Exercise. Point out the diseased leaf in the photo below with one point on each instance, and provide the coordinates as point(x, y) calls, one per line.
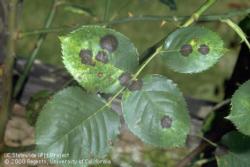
point(240, 112)
point(156, 112)
point(236, 152)
point(96, 57)
point(170, 3)
point(72, 123)
point(192, 49)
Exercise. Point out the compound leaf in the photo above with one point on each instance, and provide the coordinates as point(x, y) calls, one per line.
point(72, 123)
point(192, 49)
point(236, 152)
point(157, 112)
point(95, 56)
point(240, 112)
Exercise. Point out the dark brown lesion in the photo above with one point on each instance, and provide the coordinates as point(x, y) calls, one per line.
point(135, 85)
point(125, 79)
point(186, 50)
point(86, 57)
point(166, 121)
point(102, 57)
point(204, 49)
point(109, 42)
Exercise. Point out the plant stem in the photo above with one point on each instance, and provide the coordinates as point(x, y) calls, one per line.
point(35, 51)
point(195, 16)
point(147, 62)
point(214, 17)
point(238, 30)
point(6, 91)
point(106, 12)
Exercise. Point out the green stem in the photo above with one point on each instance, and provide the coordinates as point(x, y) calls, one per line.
point(158, 50)
point(238, 30)
point(35, 51)
point(6, 90)
point(106, 13)
point(214, 17)
point(195, 16)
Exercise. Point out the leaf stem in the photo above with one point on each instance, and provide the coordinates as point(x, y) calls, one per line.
point(238, 30)
point(35, 51)
point(195, 16)
point(6, 90)
point(214, 17)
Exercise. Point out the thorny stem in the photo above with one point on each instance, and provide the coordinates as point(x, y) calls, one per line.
point(195, 16)
point(6, 91)
point(35, 51)
point(214, 17)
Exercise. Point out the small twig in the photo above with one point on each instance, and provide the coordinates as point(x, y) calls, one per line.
point(35, 51)
point(221, 104)
point(6, 90)
point(214, 17)
point(186, 161)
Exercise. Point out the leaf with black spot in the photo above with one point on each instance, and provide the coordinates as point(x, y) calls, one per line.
point(192, 49)
point(157, 113)
point(96, 56)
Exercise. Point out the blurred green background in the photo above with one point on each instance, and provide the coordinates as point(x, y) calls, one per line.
point(207, 85)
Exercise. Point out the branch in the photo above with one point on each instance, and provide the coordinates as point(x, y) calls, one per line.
point(6, 91)
point(214, 17)
point(195, 16)
point(35, 51)
point(186, 161)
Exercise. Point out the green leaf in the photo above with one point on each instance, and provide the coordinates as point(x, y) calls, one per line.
point(170, 3)
point(77, 124)
point(240, 112)
point(157, 113)
point(237, 151)
point(96, 57)
point(192, 49)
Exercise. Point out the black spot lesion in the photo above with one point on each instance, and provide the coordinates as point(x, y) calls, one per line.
point(204, 49)
point(135, 85)
point(102, 56)
point(125, 79)
point(86, 57)
point(186, 50)
point(166, 121)
point(109, 42)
